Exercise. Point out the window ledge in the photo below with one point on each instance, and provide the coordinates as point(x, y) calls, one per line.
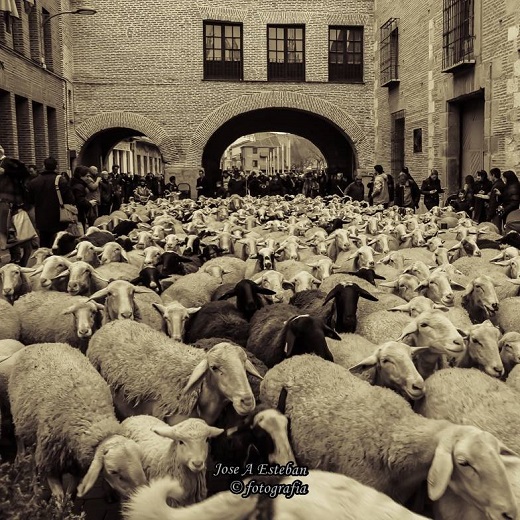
point(460, 65)
point(391, 83)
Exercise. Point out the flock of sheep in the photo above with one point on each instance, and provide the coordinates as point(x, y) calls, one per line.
point(375, 347)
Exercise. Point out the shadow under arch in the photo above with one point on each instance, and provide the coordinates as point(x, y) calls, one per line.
point(335, 145)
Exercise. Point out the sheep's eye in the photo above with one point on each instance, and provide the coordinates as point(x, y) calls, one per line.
point(181, 443)
point(463, 463)
point(214, 368)
point(423, 325)
point(113, 472)
point(386, 361)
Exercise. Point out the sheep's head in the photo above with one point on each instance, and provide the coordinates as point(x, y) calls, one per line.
point(113, 252)
point(86, 316)
point(394, 368)
point(223, 371)
point(13, 277)
point(120, 460)
point(480, 293)
point(509, 347)
point(80, 278)
point(191, 437)
point(482, 348)
point(119, 299)
point(435, 330)
point(463, 451)
point(175, 316)
point(418, 305)
point(52, 268)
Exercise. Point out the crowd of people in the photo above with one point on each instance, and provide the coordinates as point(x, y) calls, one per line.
point(29, 199)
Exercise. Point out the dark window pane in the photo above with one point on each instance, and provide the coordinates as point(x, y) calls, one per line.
point(219, 63)
point(346, 54)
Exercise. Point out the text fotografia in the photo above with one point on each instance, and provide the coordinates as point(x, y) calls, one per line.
point(289, 469)
point(246, 489)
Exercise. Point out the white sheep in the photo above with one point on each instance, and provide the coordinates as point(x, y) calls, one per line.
point(192, 290)
point(61, 404)
point(393, 449)
point(234, 268)
point(509, 347)
point(184, 379)
point(118, 271)
point(508, 313)
point(330, 495)
point(10, 326)
point(381, 326)
point(54, 317)
point(178, 451)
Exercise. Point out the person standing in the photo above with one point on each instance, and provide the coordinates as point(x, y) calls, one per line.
point(380, 194)
point(510, 197)
point(106, 191)
point(497, 187)
point(431, 189)
point(43, 196)
point(93, 181)
point(79, 186)
point(407, 193)
point(356, 190)
point(482, 189)
point(237, 185)
point(14, 179)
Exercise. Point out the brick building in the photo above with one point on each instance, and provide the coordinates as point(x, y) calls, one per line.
point(193, 76)
point(447, 90)
point(36, 90)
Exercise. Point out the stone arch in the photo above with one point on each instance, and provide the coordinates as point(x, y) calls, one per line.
point(278, 99)
point(99, 123)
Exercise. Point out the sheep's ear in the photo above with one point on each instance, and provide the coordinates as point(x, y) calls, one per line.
point(282, 400)
point(92, 474)
point(332, 294)
point(160, 308)
point(365, 294)
point(409, 329)
point(124, 256)
point(99, 294)
point(391, 285)
point(142, 290)
point(457, 286)
point(37, 271)
point(198, 373)
point(368, 362)
point(440, 472)
point(402, 308)
point(61, 275)
point(227, 295)
point(329, 332)
point(440, 307)
point(166, 431)
point(263, 290)
point(69, 310)
point(251, 369)
point(463, 333)
point(72, 253)
point(417, 350)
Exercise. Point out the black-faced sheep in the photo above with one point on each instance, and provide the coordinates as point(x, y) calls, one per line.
point(280, 331)
point(248, 299)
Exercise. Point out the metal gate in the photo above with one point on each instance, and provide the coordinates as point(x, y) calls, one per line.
point(471, 138)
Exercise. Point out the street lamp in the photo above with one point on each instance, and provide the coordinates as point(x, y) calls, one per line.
point(83, 11)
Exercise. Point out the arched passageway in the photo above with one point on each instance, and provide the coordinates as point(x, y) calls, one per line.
point(333, 143)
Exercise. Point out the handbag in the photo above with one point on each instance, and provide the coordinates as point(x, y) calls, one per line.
point(68, 212)
point(23, 226)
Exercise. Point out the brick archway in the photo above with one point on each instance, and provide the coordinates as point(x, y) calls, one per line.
point(87, 130)
point(270, 100)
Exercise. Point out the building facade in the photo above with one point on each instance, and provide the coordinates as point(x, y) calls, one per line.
point(193, 76)
point(447, 89)
point(36, 91)
point(137, 155)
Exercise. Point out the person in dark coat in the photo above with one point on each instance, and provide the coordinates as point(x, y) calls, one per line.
point(407, 194)
point(42, 195)
point(465, 197)
point(237, 185)
point(482, 189)
point(276, 185)
point(14, 179)
point(79, 187)
point(356, 189)
point(497, 188)
point(263, 185)
point(510, 198)
point(431, 188)
point(106, 191)
point(253, 184)
point(338, 185)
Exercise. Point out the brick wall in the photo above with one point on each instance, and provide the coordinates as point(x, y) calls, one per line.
point(26, 134)
point(424, 91)
point(147, 61)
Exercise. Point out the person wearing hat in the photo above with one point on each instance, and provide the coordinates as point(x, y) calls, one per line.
point(380, 193)
point(431, 188)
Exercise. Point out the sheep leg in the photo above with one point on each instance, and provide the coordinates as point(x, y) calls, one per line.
point(70, 484)
point(56, 487)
